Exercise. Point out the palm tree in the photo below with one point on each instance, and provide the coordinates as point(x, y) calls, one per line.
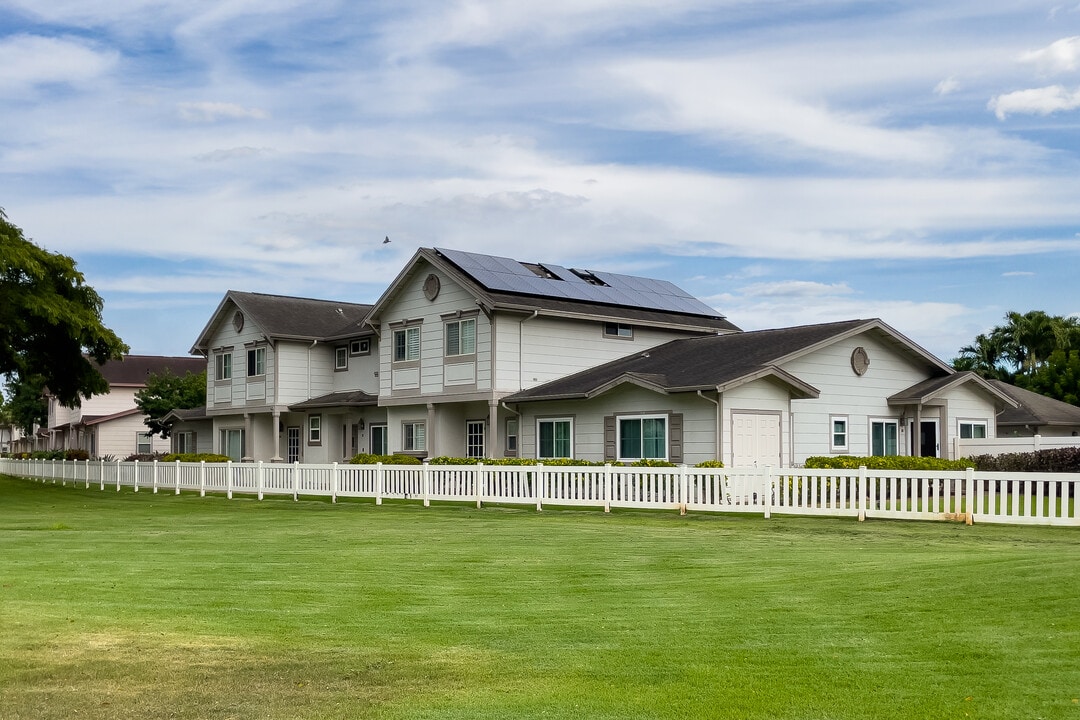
point(1029, 339)
point(984, 356)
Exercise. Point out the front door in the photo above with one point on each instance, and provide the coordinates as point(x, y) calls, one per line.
point(928, 438)
point(292, 444)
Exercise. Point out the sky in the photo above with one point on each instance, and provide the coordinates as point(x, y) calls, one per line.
point(787, 161)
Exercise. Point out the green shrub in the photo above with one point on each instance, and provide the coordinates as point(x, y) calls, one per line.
point(891, 462)
point(143, 457)
point(1054, 460)
point(649, 462)
point(76, 454)
point(195, 457)
point(395, 459)
point(709, 464)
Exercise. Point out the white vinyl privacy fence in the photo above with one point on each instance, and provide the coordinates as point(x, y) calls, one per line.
point(971, 496)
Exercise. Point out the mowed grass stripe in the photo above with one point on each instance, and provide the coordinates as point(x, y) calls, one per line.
point(123, 605)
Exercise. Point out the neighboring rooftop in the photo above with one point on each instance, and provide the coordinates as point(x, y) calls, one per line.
point(1035, 410)
point(133, 370)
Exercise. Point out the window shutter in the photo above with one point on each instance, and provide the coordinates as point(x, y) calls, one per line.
point(609, 438)
point(675, 437)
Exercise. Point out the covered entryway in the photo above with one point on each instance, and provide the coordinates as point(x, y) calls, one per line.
point(927, 439)
point(755, 440)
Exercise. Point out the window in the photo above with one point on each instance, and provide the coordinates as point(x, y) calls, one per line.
point(314, 430)
point(461, 337)
point(838, 434)
point(144, 443)
point(412, 437)
point(643, 438)
point(360, 347)
point(341, 358)
point(223, 363)
point(972, 429)
point(619, 330)
point(407, 344)
point(474, 439)
point(883, 437)
point(554, 438)
point(256, 358)
point(232, 443)
point(511, 436)
point(185, 442)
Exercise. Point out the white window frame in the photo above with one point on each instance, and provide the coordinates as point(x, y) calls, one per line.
point(984, 424)
point(554, 450)
point(223, 366)
point(475, 439)
point(184, 442)
point(410, 350)
point(619, 420)
point(846, 432)
point(360, 347)
point(466, 343)
point(314, 430)
point(411, 440)
point(144, 439)
point(512, 436)
point(341, 357)
point(895, 422)
point(223, 437)
point(256, 361)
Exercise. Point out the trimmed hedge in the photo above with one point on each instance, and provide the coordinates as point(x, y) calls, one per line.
point(891, 462)
point(370, 459)
point(1056, 460)
point(195, 457)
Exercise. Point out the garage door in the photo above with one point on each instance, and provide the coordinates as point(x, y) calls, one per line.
point(755, 439)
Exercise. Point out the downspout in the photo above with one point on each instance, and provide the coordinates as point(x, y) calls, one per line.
point(521, 350)
point(715, 402)
point(313, 344)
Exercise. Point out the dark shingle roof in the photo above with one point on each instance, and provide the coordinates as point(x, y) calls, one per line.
point(1035, 409)
point(133, 370)
point(346, 398)
point(697, 363)
point(306, 318)
point(926, 390)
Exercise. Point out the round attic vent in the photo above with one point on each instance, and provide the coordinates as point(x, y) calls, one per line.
point(860, 361)
point(432, 286)
point(238, 321)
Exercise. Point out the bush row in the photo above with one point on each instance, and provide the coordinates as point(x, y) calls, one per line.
point(369, 459)
point(1056, 460)
point(891, 462)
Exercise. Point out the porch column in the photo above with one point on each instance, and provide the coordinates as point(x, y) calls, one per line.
point(432, 436)
point(276, 434)
point(249, 440)
point(495, 441)
point(916, 433)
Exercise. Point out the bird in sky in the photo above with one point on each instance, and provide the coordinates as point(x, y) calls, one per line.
point(386, 240)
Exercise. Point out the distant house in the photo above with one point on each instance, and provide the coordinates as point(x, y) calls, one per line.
point(111, 424)
point(1036, 414)
point(474, 355)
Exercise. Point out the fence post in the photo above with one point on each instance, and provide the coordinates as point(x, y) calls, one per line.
point(117, 476)
point(87, 478)
point(969, 491)
point(538, 486)
point(862, 493)
point(684, 490)
point(101, 473)
point(379, 482)
point(228, 479)
point(296, 481)
point(478, 483)
point(425, 481)
point(259, 479)
point(766, 491)
point(333, 482)
point(607, 487)
point(202, 477)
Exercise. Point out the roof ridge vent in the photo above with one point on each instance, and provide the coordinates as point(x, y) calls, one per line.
point(589, 277)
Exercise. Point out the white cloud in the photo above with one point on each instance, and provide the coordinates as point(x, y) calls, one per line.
point(1057, 57)
point(29, 60)
point(1036, 101)
point(947, 86)
point(237, 153)
point(213, 111)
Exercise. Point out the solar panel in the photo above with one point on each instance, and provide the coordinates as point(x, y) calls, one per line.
point(507, 275)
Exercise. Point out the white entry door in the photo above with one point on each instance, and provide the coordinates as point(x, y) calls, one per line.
point(755, 440)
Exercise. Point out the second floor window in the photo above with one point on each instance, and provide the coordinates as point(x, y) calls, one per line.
point(407, 344)
point(341, 358)
point(461, 337)
point(223, 363)
point(256, 361)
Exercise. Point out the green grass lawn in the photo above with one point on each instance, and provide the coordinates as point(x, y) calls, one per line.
point(123, 605)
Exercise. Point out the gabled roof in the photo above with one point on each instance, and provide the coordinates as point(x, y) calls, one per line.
point(132, 370)
point(506, 284)
point(707, 363)
point(933, 388)
point(346, 398)
point(1035, 410)
point(189, 415)
point(291, 318)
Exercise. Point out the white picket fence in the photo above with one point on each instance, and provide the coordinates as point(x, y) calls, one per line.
point(1028, 498)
